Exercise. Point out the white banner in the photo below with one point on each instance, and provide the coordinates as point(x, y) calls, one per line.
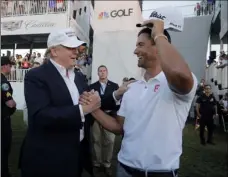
point(36, 24)
point(115, 50)
point(116, 15)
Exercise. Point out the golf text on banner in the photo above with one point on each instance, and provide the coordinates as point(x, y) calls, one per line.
point(116, 15)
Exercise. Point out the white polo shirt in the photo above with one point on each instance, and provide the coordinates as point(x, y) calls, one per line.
point(154, 119)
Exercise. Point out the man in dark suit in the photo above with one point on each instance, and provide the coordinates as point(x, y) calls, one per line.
point(57, 143)
point(103, 140)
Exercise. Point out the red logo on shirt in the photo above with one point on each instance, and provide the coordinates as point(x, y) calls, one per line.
point(156, 87)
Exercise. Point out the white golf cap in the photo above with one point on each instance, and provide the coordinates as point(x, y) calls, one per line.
point(66, 37)
point(172, 17)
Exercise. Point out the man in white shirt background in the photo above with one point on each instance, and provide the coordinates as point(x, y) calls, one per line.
point(39, 59)
point(154, 110)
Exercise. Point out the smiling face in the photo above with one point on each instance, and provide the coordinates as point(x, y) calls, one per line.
point(145, 50)
point(65, 56)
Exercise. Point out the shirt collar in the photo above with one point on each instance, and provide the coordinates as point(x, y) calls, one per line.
point(158, 77)
point(104, 83)
point(62, 70)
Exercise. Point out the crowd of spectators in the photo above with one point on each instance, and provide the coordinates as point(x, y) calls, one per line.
point(27, 61)
point(205, 7)
point(32, 7)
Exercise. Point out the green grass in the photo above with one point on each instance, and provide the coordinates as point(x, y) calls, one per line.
point(196, 161)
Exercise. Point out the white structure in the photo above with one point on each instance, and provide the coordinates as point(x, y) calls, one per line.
point(192, 43)
point(115, 37)
point(42, 17)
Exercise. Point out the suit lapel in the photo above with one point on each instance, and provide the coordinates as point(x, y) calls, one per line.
point(80, 82)
point(107, 88)
point(98, 87)
point(57, 79)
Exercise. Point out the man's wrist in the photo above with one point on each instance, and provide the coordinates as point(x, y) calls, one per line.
point(160, 36)
point(95, 112)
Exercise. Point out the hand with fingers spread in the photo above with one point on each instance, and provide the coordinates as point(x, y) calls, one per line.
point(158, 27)
point(122, 89)
point(90, 101)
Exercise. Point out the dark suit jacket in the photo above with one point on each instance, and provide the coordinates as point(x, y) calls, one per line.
point(52, 145)
point(108, 92)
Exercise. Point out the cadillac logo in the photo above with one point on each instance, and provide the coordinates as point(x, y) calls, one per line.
point(11, 25)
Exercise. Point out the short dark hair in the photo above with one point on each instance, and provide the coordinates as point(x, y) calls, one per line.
point(132, 79)
point(148, 31)
point(125, 79)
point(102, 66)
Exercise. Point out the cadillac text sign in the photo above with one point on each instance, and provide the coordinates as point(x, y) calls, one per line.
point(15, 25)
point(28, 25)
point(37, 24)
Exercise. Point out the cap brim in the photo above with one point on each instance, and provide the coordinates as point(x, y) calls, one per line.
point(73, 43)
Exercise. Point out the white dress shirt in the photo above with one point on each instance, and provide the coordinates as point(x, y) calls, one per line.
point(103, 87)
point(69, 80)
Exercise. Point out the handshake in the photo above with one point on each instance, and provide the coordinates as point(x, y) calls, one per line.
point(90, 101)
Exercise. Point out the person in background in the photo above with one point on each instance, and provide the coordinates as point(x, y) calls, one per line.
point(39, 59)
point(36, 64)
point(200, 88)
point(33, 55)
point(103, 140)
point(224, 105)
point(125, 80)
point(132, 79)
point(25, 63)
point(45, 60)
point(206, 109)
point(8, 107)
point(198, 9)
point(89, 59)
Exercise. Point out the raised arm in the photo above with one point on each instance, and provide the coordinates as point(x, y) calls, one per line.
point(172, 63)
